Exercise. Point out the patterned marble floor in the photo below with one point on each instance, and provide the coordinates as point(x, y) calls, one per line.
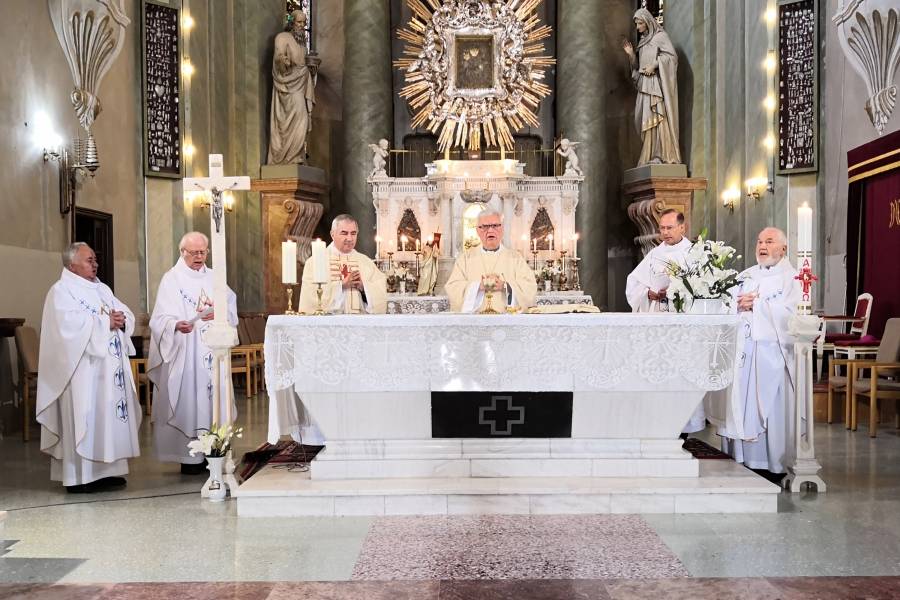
point(810, 588)
point(159, 530)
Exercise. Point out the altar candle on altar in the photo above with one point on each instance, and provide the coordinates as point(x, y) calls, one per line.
point(320, 262)
point(575, 245)
point(418, 245)
point(550, 241)
point(289, 262)
point(534, 244)
point(403, 240)
point(377, 246)
point(804, 228)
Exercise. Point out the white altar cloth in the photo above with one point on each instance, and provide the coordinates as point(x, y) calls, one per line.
point(378, 354)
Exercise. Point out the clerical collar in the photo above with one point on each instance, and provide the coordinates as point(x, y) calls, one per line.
point(334, 250)
point(497, 249)
point(184, 268)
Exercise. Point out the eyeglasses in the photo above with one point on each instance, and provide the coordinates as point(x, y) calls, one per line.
point(488, 226)
point(195, 253)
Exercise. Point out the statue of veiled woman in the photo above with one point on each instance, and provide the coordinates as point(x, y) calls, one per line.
point(653, 70)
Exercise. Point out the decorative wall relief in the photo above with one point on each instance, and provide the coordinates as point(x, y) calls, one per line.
point(161, 67)
point(870, 37)
point(91, 33)
point(798, 95)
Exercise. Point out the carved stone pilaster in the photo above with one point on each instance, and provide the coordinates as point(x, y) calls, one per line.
point(91, 33)
point(650, 196)
point(869, 32)
point(292, 209)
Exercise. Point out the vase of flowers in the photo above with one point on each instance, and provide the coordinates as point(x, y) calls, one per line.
point(215, 444)
point(546, 274)
point(702, 284)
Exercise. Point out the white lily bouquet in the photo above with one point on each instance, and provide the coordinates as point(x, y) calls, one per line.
point(214, 442)
point(705, 275)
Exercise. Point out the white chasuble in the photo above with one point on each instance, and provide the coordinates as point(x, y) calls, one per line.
point(86, 402)
point(651, 274)
point(335, 299)
point(763, 396)
point(180, 364)
point(462, 287)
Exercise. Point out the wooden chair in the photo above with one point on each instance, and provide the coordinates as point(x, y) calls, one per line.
point(28, 347)
point(256, 331)
point(244, 360)
point(858, 329)
point(883, 382)
point(141, 338)
point(838, 383)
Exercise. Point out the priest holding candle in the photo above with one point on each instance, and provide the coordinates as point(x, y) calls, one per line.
point(351, 282)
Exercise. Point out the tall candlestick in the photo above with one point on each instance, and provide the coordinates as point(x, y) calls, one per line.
point(804, 228)
point(320, 262)
point(289, 262)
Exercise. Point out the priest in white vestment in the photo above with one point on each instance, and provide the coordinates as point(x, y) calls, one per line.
point(356, 286)
point(180, 364)
point(766, 299)
point(86, 402)
point(491, 261)
point(646, 286)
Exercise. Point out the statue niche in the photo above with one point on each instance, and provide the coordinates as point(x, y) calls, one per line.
point(409, 227)
point(542, 227)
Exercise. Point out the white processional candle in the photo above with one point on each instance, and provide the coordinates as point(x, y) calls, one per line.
point(804, 228)
point(320, 262)
point(289, 262)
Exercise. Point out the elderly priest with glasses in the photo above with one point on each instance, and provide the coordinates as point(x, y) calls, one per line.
point(180, 365)
point(493, 265)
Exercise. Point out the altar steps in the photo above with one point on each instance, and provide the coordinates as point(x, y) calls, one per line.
point(723, 487)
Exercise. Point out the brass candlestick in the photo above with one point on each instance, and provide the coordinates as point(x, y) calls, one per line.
point(576, 280)
point(290, 301)
point(534, 254)
point(319, 310)
point(564, 268)
point(418, 253)
point(390, 264)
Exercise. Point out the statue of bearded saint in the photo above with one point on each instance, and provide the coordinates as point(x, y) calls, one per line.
point(293, 95)
point(653, 71)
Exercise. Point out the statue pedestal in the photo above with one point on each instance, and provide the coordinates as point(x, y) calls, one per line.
point(654, 188)
point(293, 199)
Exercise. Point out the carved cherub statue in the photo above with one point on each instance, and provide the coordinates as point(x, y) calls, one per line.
point(567, 149)
point(379, 158)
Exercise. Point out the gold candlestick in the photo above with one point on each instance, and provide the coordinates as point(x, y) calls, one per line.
point(290, 301)
point(319, 310)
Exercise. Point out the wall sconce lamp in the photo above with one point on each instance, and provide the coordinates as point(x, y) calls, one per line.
point(74, 166)
point(730, 197)
point(757, 185)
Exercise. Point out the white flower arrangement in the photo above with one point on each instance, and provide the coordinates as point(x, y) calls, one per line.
point(705, 274)
point(214, 442)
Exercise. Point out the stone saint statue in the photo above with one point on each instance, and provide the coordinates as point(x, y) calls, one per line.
point(293, 95)
point(653, 71)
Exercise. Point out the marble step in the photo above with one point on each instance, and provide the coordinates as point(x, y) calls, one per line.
point(722, 487)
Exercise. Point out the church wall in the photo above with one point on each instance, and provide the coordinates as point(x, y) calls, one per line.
point(845, 125)
point(36, 78)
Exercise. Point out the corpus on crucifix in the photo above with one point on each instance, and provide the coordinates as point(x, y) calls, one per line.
point(221, 336)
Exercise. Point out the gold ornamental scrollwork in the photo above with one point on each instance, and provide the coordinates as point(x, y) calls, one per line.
point(474, 69)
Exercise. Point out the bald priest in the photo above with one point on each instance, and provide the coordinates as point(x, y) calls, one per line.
point(356, 286)
point(494, 263)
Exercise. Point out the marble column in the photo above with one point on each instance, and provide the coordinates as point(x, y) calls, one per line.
point(368, 105)
point(590, 88)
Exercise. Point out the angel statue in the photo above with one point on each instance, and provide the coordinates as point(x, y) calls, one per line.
point(567, 150)
point(379, 158)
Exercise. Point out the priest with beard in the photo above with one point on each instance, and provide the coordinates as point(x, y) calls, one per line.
point(502, 267)
point(356, 286)
point(180, 364)
point(766, 299)
point(86, 401)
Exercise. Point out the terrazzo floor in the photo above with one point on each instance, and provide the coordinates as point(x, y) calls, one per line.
point(158, 532)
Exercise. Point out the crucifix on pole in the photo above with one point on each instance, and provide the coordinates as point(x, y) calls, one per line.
point(221, 336)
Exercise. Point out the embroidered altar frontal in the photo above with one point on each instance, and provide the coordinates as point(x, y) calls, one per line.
point(501, 414)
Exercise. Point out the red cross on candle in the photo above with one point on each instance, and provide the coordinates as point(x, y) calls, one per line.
point(806, 278)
